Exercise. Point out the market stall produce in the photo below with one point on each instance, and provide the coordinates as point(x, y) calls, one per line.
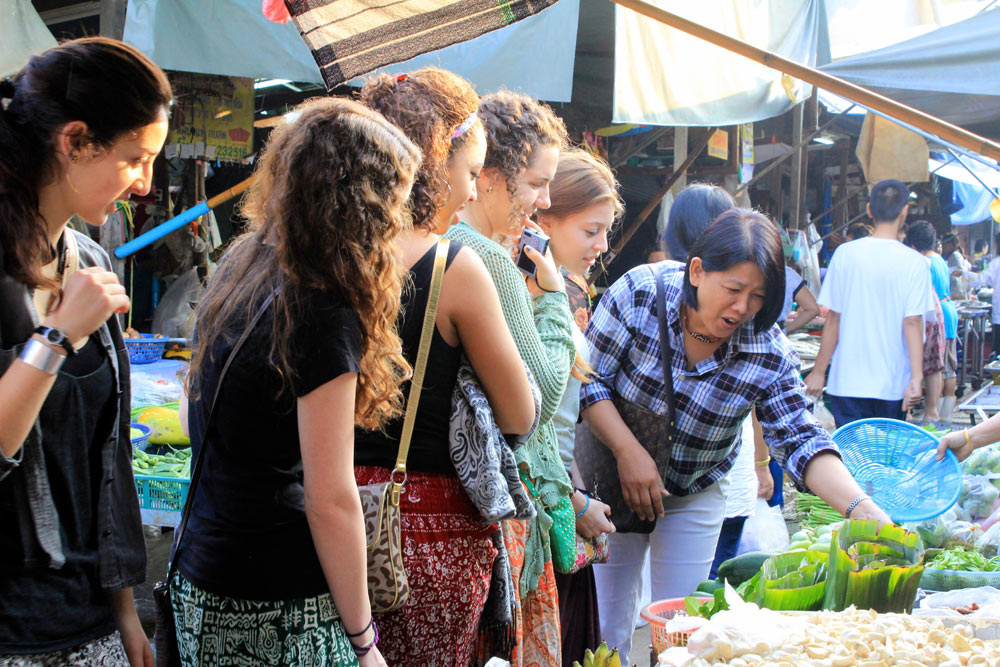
point(748, 635)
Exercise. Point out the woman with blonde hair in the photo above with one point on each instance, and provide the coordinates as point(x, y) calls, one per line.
point(523, 139)
point(448, 549)
point(272, 566)
point(585, 203)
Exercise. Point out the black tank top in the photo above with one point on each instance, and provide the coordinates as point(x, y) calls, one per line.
point(429, 444)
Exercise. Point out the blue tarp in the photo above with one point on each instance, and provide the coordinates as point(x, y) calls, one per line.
point(232, 37)
point(976, 202)
point(952, 73)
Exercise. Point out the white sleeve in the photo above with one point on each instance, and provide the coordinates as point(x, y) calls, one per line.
point(918, 293)
point(831, 289)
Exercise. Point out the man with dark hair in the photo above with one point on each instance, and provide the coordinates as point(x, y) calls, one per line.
point(877, 291)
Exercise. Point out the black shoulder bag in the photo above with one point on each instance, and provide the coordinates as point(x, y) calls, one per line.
point(655, 433)
point(165, 639)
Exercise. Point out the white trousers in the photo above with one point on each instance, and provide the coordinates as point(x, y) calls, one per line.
point(681, 549)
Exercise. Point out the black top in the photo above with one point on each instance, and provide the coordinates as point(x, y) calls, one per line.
point(429, 444)
point(44, 609)
point(247, 535)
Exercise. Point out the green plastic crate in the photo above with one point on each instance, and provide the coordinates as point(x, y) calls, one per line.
point(161, 499)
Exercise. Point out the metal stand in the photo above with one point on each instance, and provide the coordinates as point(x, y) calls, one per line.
point(972, 331)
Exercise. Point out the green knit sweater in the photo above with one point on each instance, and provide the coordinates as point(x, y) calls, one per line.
point(541, 329)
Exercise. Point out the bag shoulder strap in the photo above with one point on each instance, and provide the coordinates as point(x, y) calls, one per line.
point(668, 372)
point(196, 468)
point(416, 384)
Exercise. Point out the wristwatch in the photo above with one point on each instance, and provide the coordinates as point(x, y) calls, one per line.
point(56, 337)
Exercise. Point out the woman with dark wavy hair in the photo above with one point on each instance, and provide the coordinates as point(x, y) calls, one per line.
point(272, 565)
point(726, 358)
point(80, 126)
point(448, 549)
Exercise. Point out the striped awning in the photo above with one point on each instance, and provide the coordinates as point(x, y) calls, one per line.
point(349, 38)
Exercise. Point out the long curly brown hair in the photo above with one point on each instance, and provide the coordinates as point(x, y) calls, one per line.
point(428, 105)
point(517, 126)
point(327, 203)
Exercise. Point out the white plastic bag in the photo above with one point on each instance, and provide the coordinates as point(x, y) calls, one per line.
point(824, 416)
point(764, 530)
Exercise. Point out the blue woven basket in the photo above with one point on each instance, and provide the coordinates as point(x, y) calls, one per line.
point(145, 350)
point(141, 441)
point(896, 464)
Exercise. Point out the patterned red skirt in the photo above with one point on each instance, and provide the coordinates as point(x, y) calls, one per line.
point(448, 555)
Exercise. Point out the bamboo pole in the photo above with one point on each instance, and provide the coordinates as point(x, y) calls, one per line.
point(855, 93)
point(653, 203)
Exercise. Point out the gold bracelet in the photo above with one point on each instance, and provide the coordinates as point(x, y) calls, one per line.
point(764, 463)
point(968, 441)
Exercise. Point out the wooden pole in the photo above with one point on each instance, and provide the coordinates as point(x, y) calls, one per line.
point(855, 93)
point(653, 203)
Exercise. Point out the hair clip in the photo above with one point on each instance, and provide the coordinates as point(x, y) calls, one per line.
point(400, 78)
point(464, 127)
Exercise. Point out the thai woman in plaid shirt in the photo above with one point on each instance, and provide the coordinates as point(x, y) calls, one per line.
point(727, 357)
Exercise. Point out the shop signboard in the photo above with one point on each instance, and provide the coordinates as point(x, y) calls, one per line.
point(212, 116)
point(718, 145)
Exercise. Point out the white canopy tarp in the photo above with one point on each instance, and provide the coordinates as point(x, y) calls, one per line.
point(666, 77)
point(22, 34)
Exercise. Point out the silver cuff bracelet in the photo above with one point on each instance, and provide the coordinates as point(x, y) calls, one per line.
point(42, 357)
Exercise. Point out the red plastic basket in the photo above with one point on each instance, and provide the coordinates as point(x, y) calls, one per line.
point(658, 613)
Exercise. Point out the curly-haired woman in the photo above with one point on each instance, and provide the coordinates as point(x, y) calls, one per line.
point(447, 547)
point(523, 139)
point(73, 140)
point(271, 567)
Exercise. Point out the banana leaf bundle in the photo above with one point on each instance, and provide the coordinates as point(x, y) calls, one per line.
point(794, 581)
point(873, 568)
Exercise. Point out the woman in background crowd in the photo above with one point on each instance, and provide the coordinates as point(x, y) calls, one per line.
point(272, 564)
point(523, 139)
point(80, 126)
point(447, 547)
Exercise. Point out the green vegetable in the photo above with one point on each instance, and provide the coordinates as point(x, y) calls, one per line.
point(743, 567)
point(174, 463)
point(963, 560)
point(709, 586)
point(695, 607)
point(873, 568)
point(794, 581)
point(135, 433)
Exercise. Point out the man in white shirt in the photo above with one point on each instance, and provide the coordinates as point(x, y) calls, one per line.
point(877, 291)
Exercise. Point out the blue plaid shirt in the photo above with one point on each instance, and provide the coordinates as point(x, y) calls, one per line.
point(713, 399)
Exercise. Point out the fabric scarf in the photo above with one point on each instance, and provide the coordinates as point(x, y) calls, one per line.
point(484, 462)
point(481, 454)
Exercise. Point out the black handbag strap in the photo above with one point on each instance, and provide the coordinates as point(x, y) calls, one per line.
point(196, 469)
point(665, 351)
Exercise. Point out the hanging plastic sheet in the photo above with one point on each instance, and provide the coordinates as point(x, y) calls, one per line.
point(23, 34)
point(653, 85)
point(231, 37)
point(976, 202)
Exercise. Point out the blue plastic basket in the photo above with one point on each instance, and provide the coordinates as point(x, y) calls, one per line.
point(145, 350)
point(896, 464)
point(142, 441)
point(161, 499)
